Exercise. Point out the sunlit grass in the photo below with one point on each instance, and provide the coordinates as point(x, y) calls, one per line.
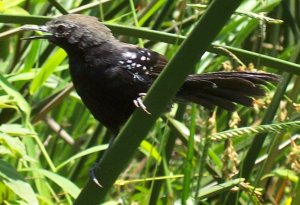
point(49, 141)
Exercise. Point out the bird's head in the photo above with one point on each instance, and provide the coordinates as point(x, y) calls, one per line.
point(73, 30)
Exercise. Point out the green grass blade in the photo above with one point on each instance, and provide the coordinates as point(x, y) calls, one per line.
point(47, 69)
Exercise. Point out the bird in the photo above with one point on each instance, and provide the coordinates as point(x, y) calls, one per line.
point(111, 76)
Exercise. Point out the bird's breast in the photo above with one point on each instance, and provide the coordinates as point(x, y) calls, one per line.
point(107, 92)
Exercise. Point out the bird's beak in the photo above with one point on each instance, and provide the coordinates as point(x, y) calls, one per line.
point(43, 29)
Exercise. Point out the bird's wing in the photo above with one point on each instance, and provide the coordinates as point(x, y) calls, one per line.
point(142, 63)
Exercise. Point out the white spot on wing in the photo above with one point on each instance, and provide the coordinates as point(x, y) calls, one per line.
point(127, 54)
point(133, 56)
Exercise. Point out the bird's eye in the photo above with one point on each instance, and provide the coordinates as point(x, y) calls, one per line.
point(61, 28)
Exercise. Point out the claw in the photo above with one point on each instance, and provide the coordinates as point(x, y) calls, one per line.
point(93, 176)
point(96, 165)
point(139, 103)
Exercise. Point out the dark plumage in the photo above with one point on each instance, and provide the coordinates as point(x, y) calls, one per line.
point(109, 75)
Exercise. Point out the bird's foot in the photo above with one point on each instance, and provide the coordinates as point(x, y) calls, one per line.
point(93, 175)
point(97, 164)
point(139, 103)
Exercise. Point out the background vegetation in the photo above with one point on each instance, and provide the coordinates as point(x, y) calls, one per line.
point(49, 141)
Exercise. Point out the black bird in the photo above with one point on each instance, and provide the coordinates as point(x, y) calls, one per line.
point(111, 76)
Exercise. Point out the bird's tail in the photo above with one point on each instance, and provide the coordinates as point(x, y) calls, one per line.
point(225, 89)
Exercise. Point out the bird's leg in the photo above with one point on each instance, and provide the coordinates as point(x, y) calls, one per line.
point(96, 165)
point(139, 103)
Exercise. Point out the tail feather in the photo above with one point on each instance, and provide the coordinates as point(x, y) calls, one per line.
point(224, 89)
point(236, 97)
point(201, 101)
point(255, 77)
point(236, 84)
point(218, 101)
